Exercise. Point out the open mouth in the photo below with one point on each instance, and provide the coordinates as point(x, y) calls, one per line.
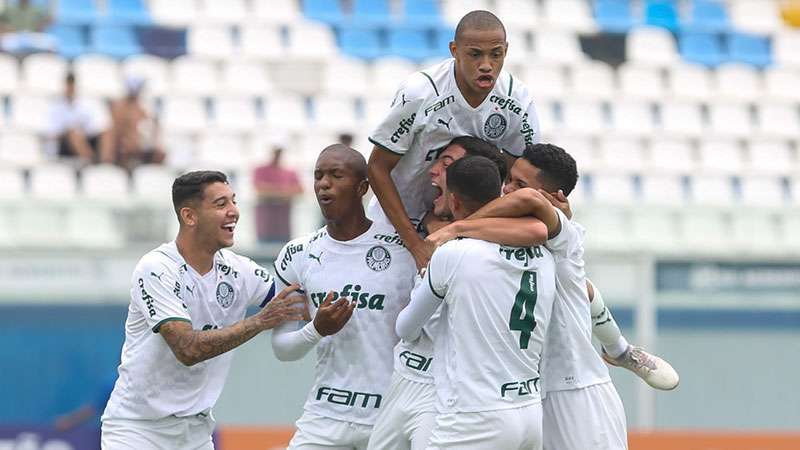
point(229, 227)
point(439, 194)
point(325, 199)
point(485, 81)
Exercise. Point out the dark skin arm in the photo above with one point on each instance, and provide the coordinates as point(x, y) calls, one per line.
point(193, 346)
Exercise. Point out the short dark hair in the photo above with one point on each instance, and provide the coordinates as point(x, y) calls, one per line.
point(351, 157)
point(69, 78)
point(558, 168)
point(478, 20)
point(190, 186)
point(478, 147)
point(475, 180)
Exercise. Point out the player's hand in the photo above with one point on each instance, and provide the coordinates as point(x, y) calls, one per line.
point(332, 316)
point(559, 201)
point(281, 309)
point(444, 234)
point(422, 252)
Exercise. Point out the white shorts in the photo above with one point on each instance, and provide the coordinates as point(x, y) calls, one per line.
point(505, 429)
point(591, 417)
point(407, 417)
point(179, 433)
point(315, 432)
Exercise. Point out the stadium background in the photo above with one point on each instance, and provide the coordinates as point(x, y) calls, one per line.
point(683, 115)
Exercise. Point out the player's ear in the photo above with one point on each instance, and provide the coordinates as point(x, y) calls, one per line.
point(188, 216)
point(453, 49)
point(363, 187)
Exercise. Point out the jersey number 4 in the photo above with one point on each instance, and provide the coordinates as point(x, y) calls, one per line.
point(522, 319)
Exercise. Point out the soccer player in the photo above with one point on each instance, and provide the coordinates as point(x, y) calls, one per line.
point(495, 309)
point(188, 303)
point(469, 95)
point(352, 269)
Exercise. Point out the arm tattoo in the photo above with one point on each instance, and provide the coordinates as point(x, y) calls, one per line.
point(194, 346)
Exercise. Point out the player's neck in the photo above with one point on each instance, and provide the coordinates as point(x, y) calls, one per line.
point(349, 227)
point(197, 256)
point(473, 99)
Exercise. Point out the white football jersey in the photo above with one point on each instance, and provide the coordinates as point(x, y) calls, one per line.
point(152, 383)
point(494, 318)
point(428, 111)
point(413, 360)
point(570, 360)
point(354, 366)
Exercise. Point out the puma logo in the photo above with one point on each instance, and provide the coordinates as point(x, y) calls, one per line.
point(153, 274)
point(316, 258)
point(447, 124)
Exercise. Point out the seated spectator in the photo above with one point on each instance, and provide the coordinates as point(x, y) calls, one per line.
point(21, 29)
point(276, 187)
point(134, 134)
point(346, 139)
point(77, 132)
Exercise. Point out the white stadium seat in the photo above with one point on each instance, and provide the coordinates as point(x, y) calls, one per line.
point(44, 73)
point(632, 118)
point(730, 119)
point(20, 150)
point(275, 11)
point(784, 48)
point(97, 75)
point(386, 74)
point(663, 190)
point(235, 114)
point(53, 182)
point(763, 191)
point(656, 228)
point(584, 117)
point(572, 15)
point(194, 76)
point(210, 41)
point(779, 120)
point(613, 189)
point(184, 114)
point(105, 182)
point(518, 14)
point(557, 47)
point(349, 76)
point(651, 46)
point(593, 80)
point(720, 156)
point(375, 110)
point(708, 190)
point(228, 12)
point(671, 157)
point(624, 156)
point(311, 40)
point(771, 158)
point(582, 149)
point(335, 114)
point(152, 69)
point(755, 16)
point(177, 13)
point(454, 10)
point(546, 81)
point(705, 229)
point(92, 226)
point(39, 226)
point(737, 82)
point(13, 182)
point(30, 113)
point(781, 84)
point(261, 42)
point(688, 81)
point(221, 152)
point(639, 82)
point(286, 112)
point(246, 78)
point(681, 119)
point(9, 74)
point(152, 181)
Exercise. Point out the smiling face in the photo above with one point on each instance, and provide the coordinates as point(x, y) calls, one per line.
point(438, 173)
point(479, 58)
point(338, 187)
point(523, 174)
point(216, 215)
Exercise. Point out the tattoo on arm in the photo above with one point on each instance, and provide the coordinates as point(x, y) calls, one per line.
point(194, 346)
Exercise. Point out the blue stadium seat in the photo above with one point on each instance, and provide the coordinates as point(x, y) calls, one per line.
point(661, 13)
point(371, 13)
point(614, 15)
point(165, 42)
point(441, 44)
point(749, 49)
point(410, 43)
point(361, 42)
point(70, 40)
point(117, 41)
point(702, 48)
point(707, 16)
point(130, 12)
point(76, 12)
point(328, 11)
point(422, 13)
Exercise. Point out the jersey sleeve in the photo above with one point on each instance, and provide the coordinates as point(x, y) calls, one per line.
point(259, 283)
point(156, 292)
point(288, 265)
point(568, 243)
point(399, 128)
point(527, 132)
point(441, 269)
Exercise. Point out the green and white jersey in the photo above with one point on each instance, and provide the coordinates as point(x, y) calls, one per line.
point(428, 111)
point(152, 383)
point(495, 312)
point(414, 360)
point(354, 366)
point(570, 359)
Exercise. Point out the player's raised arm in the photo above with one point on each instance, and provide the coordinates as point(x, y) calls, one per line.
point(192, 346)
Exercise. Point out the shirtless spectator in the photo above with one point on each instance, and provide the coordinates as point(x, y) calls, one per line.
point(134, 134)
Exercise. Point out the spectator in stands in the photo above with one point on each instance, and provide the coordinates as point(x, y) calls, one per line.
point(346, 139)
point(134, 134)
point(276, 187)
point(21, 29)
point(77, 132)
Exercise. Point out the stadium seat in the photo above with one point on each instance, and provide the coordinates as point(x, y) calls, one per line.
point(519, 15)
point(360, 42)
point(454, 10)
point(737, 82)
point(245, 78)
point(784, 48)
point(582, 149)
point(386, 74)
point(210, 41)
point(584, 118)
point(20, 150)
point(221, 151)
point(441, 45)
point(614, 16)
point(613, 189)
point(661, 13)
point(177, 13)
point(705, 230)
point(13, 182)
point(39, 226)
point(347, 77)
point(572, 15)
point(286, 112)
point(768, 157)
point(228, 12)
point(130, 12)
point(550, 121)
point(9, 74)
point(610, 228)
point(235, 114)
point(593, 80)
point(69, 39)
point(328, 11)
point(30, 113)
point(681, 119)
point(152, 69)
point(664, 190)
point(556, 47)
point(669, 156)
point(689, 82)
point(639, 82)
point(375, 110)
point(708, 190)
point(755, 16)
point(655, 229)
point(423, 13)
point(261, 42)
point(275, 12)
point(730, 120)
point(545, 81)
point(758, 190)
point(93, 227)
point(720, 156)
point(311, 40)
point(371, 13)
point(409, 43)
point(702, 48)
point(749, 49)
point(651, 46)
point(620, 156)
point(76, 12)
point(53, 182)
point(708, 16)
point(183, 114)
point(97, 75)
point(117, 41)
point(104, 182)
point(151, 181)
point(779, 120)
point(756, 231)
point(193, 76)
point(632, 118)
point(336, 114)
point(781, 83)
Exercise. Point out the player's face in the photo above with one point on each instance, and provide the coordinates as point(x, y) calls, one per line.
point(337, 187)
point(523, 174)
point(217, 214)
point(479, 58)
point(438, 174)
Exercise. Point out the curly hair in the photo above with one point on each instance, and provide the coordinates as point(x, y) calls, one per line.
point(558, 169)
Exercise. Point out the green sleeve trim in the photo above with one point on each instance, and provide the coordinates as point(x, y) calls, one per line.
point(430, 284)
point(383, 147)
point(432, 83)
point(169, 319)
point(510, 84)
